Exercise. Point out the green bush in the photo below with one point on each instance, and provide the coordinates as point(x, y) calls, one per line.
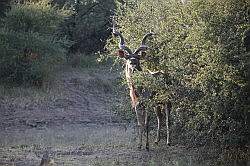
point(29, 48)
point(39, 17)
point(4, 5)
point(199, 47)
point(89, 26)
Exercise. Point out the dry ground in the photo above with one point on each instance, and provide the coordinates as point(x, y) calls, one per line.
point(71, 120)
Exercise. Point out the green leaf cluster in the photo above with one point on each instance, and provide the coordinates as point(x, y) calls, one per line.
point(89, 26)
point(199, 47)
point(30, 48)
point(4, 5)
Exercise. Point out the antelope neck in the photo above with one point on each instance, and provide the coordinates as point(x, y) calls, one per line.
point(132, 91)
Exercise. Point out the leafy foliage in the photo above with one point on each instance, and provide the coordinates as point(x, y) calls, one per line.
point(39, 17)
point(29, 47)
point(89, 26)
point(199, 47)
point(4, 5)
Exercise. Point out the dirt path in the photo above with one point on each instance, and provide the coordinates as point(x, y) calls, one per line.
point(73, 122)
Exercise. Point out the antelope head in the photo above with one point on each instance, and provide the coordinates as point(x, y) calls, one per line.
point(132, 58)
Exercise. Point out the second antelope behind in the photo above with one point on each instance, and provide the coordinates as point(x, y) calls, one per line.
point(162, 110)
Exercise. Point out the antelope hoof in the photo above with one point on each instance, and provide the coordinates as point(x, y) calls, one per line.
point(168, 144)
point(147, 146)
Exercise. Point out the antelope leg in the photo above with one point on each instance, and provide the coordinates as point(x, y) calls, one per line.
point(167, 111)
point(140, 136)
point(139, 116)
point(158, 115)
point(147, 129)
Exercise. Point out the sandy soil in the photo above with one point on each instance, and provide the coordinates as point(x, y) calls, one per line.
point(74, 124)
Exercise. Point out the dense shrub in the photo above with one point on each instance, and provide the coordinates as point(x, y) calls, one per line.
point(29, 48)
point(199, 46)
point(39, 17)
point(89, 26)
point(4, 5)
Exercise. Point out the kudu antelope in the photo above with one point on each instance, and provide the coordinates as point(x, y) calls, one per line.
point(133, 64)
